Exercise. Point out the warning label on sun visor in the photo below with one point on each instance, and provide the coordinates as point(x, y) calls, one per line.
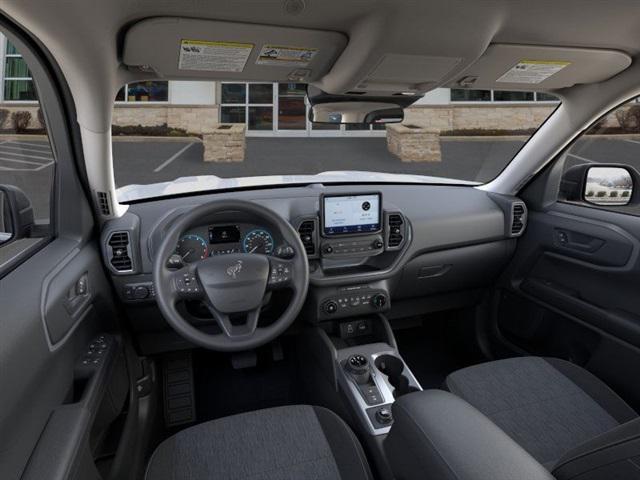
point(285, 56)
point(214, 56)
point(532, 71)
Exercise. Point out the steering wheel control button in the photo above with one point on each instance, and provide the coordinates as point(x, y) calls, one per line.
point(187, 285)
point(280, 274)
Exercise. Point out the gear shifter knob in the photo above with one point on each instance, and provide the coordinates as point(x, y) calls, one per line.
point(358, 366)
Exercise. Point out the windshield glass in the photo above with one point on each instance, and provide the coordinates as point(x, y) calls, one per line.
point(172, 137)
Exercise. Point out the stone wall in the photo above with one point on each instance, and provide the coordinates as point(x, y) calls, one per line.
point(411, 144)
point(192, 118)
point(12, 107)
point(488, 117)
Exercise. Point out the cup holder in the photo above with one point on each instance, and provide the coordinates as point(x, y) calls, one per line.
point(393, 367)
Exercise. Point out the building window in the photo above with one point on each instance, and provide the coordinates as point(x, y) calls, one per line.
point(250, 103)
point(18, 84)
point(464, 95)
point(149, 91)
point(507, 96)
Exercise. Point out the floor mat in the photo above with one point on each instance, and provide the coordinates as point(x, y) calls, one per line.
point(221, 391)
point(440, 345)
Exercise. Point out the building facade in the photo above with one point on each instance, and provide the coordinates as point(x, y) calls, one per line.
point(274, 109)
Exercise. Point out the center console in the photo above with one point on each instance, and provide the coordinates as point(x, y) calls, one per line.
point(373, 376)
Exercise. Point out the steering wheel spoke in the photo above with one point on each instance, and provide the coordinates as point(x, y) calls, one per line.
point(281, 274)
point(236, 331)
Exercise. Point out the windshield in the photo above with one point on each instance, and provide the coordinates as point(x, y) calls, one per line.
point(172, 137)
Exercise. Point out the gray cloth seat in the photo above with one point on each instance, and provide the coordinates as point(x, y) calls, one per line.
point(283, 443)
point(546, 405)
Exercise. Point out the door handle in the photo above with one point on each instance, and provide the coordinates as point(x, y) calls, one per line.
point(578, 241)
point(78, 296)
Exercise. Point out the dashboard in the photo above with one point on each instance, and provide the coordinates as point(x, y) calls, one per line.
point(400, 250)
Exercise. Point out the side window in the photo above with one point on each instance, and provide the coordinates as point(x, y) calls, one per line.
point(602, 168)
point(27, 165)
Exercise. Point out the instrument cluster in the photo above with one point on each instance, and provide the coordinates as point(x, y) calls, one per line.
point(212, 240)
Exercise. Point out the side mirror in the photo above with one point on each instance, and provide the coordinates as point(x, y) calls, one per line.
point(609, 186)
point(16, 214)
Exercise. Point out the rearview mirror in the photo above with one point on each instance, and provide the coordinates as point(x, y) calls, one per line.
point(608, 186)
point(356, 112)
point(356, 109)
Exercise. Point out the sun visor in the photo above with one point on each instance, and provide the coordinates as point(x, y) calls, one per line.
point(180, 48)
point(526, 67)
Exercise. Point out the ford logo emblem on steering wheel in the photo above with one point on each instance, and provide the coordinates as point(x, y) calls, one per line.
point(235, 269)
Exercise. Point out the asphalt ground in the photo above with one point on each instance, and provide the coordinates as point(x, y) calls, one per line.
point(29, 163)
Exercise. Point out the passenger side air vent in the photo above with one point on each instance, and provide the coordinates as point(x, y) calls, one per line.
point(395, 231)
point(518, 219)
point(103, 203)
point(307, 231)
point(119, 251)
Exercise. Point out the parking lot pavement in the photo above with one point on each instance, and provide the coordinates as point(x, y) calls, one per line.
point(28, 164)
point(156, 162)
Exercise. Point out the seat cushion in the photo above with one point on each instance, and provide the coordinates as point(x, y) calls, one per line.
point(282, 443)
point(548, 406)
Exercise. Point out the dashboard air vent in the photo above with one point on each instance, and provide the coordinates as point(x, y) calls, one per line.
point(395, 223)
point(103, 203)
point(518, 219)
point(307, 235)
point(119, 251)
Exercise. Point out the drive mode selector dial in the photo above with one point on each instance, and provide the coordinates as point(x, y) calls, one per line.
point(358, 366)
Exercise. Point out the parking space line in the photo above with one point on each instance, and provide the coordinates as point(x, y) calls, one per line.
point(173, 157)
point(631, 141)
point(22, 149)
point(37, 157)
point(584, 159)
point(43, 166)
point(28, 162)
point(30, 144)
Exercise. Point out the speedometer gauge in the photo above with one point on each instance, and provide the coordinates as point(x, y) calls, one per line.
point(192, 247)
point(258, 241)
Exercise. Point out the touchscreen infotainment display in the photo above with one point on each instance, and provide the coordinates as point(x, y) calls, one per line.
point(351, 214)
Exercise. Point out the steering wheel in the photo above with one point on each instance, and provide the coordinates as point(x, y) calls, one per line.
point(233, 285)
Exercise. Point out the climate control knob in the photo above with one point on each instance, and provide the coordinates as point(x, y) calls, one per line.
point(330, 307)
point(379, 300)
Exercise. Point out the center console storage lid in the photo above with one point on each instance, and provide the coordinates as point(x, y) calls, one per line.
point(439, 435)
